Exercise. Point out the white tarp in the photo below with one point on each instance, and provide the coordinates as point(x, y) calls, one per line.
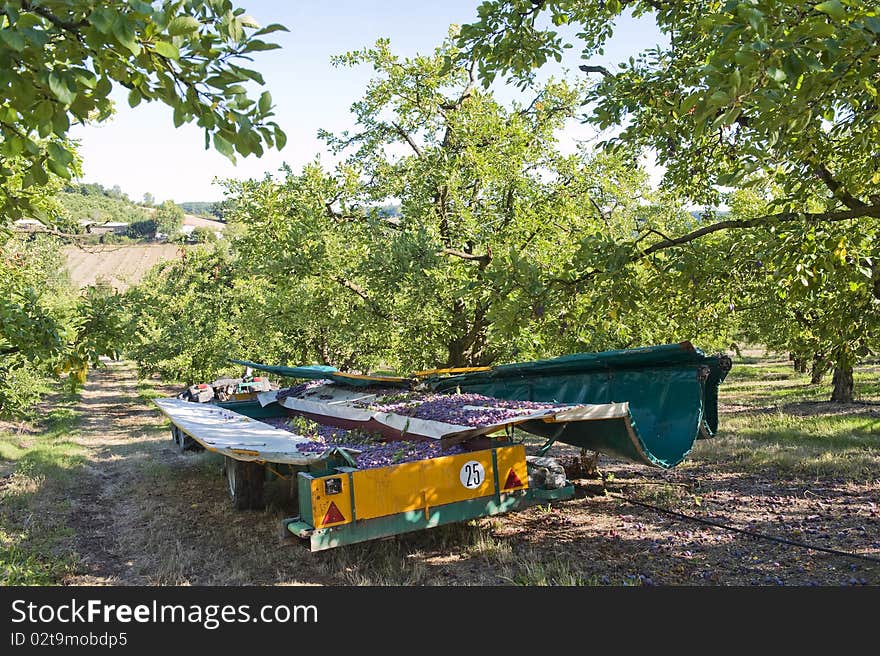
point(235, 435)
point(336, 402)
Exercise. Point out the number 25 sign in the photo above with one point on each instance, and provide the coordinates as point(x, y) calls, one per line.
point(472, 474)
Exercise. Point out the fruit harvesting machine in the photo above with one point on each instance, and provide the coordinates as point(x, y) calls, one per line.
point(367, 457)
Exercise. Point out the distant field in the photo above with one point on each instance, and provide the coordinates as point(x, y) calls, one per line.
point(123, 266)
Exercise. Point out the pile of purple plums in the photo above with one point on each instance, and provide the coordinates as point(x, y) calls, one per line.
point(473, 410)
point(367, 449)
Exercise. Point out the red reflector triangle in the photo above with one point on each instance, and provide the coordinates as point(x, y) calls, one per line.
point(333, 515)
point(512, 480)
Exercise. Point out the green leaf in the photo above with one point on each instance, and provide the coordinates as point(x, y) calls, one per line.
point(103, 87)
point(142, 7)
point(265, 102)
point(39, 174)
point(58, 86)
point(718, 98)
point(223, 146)
point(12, 38)
point(745, 57)
point(689, 101)
point(59, 169)
point(274, 27)
point(255, 45)
point(777, 74)
point(728, 117)
point(134, 98)
point(833, 8)
point(124, 33)
point(60, 122)
point(59, 154)
point(102, 20)
point(183, 25)
point(280, 138)
point(166, 49)
point(43, 111)
point(248, 21)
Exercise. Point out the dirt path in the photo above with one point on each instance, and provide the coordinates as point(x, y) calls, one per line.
point(112, 431)
point(143, 514)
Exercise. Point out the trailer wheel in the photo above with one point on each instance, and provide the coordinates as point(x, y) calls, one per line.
point(244, 480)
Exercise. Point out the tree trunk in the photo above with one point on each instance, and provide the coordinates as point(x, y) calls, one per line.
point(799, 364)
point(820, 367)
point(842, 384)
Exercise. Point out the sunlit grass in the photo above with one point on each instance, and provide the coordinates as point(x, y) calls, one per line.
point(44, 456)
point(793, 430)
point(147, 392)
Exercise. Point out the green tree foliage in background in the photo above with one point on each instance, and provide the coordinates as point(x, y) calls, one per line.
point(744, 91)
point(59, 62)
point(192, 313)
point(199, 208)
point(808, 290)
point(46, 327)
point(767, 94)
point(168, 218)
point(500, 247)
point(203, 235)
point(60, 59)
point(93, 203)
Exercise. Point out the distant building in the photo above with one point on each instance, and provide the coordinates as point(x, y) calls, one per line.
point(27, 225)
point(94, 228)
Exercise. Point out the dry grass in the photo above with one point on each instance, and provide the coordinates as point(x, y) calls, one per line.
point(121, 266)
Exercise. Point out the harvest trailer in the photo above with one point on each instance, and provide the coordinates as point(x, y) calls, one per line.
point(462, 468)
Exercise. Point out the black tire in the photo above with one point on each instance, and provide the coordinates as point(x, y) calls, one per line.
point(244, 482)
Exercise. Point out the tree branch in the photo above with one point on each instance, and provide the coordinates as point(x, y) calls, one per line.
point(362, 293)
point(770, 219)
point(485, 259)
point(466, 92)
point(738, 224)
point(837, 189)
point(596, 69)
point(403, 133)
point(52, 18)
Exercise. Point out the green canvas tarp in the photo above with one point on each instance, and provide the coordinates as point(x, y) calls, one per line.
point(671, 389)
point(323, 372)
point(310, 372)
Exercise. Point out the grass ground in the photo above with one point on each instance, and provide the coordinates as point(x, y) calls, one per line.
point(94, 492)
point(775, 420)
point(38, 461)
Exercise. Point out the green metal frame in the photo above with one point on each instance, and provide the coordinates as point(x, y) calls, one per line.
point(415, 520)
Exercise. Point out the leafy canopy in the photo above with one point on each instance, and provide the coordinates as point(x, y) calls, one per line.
point(60, 59)
point(498, 248)
point(745, 90)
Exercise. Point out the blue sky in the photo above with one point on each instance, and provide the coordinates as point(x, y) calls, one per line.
point(141, 151)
